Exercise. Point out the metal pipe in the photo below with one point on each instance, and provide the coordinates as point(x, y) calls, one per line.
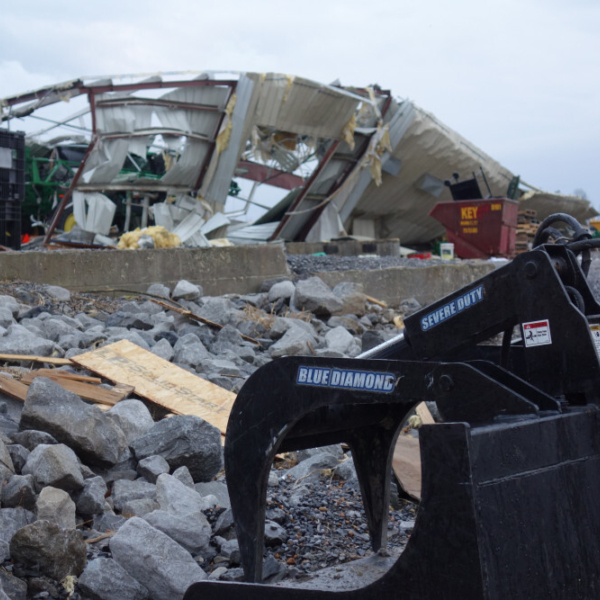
point(374, 352)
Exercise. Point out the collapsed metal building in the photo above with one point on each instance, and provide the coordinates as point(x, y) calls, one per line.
point(320, 161)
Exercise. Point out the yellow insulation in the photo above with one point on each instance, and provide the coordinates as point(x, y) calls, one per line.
point(348, 132)
point(288, 87)
point(225, 133)
point(161, 236)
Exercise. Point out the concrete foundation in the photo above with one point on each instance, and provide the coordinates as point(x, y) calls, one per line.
point(425, 284)
point(237, 269)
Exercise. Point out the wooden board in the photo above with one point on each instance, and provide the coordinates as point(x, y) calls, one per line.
point(160, 381)
point(51, 360)
point(13, 388)
point(88, 391)
point(407, 465)
point(407, 456)
point(56, 373)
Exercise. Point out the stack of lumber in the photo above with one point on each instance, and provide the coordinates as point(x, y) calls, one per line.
point(527, 226)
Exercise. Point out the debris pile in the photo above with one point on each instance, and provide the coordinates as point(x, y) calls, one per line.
point(527, 226)
point(104, 497)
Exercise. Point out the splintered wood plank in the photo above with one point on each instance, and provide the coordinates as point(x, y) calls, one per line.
point(13, 388)
point(86, 391)
point(407, 465)
point(55, 374)
point(423, 412)
point(407, 456)
point(51, 360)
point(160, 381)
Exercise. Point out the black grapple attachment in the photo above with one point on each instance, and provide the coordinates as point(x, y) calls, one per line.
point(510, 502)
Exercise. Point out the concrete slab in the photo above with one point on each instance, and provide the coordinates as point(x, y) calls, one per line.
point(237, 269)
point(426, 284)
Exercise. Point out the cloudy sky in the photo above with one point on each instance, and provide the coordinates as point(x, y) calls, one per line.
point(519, 78)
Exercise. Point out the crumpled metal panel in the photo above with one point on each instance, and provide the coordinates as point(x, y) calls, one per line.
point(307, 108)
point(399, 208)
point(215, 186)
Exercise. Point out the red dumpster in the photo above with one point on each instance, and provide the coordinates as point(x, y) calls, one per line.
point(479, 228)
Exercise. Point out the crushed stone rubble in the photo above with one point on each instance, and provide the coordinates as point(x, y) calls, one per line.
point(125, 504)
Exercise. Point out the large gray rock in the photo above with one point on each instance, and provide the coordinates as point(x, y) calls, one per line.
point(185, 290)
point(310, 468)
point(86, 429)
point(108, 521)
point(275, 534)
point(125, 491)
point(54, 328)
point(184, 475)
point(129, 320)
point(31, 438)
point(139, 508)
point(184, 440)
point(106, 579)
point(191, 355)
point(57, 292)
point(19, 491)
point(314, 295)
point(349, 322)
point(372, 338)
point(14, 588)
point(353, 297)
point(163, 350)
point(132, 417)
point(56, 506)
point(11, 520)
point(153, 466)
point(295, 342)
point(6, 317)
point(283, 324)
point(18, 455)
point(55, 551)
point(218, 310)
point(91, 500)
point(283, 290)
point(158, 289)
point(10, 303)
point(131, 336)
point(3, 596)
point(176, 497)
point(151, 557)
point(217, 489)
point(7, 468)
point(54, 465)
point(192, 531)
point(339, 340)
point(19, 340)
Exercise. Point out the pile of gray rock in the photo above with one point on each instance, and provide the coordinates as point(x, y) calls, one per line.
point(115, 504)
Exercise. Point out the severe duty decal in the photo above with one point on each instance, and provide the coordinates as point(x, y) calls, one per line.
point(537, 333)
point(369, 381)
point(443, 313)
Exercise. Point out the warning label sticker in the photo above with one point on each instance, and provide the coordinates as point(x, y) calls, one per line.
point(595, 330)
point(537, 333)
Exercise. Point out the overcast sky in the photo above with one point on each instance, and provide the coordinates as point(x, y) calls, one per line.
point(518, 78)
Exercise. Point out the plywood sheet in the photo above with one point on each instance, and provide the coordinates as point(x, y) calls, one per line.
point(160, 381)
